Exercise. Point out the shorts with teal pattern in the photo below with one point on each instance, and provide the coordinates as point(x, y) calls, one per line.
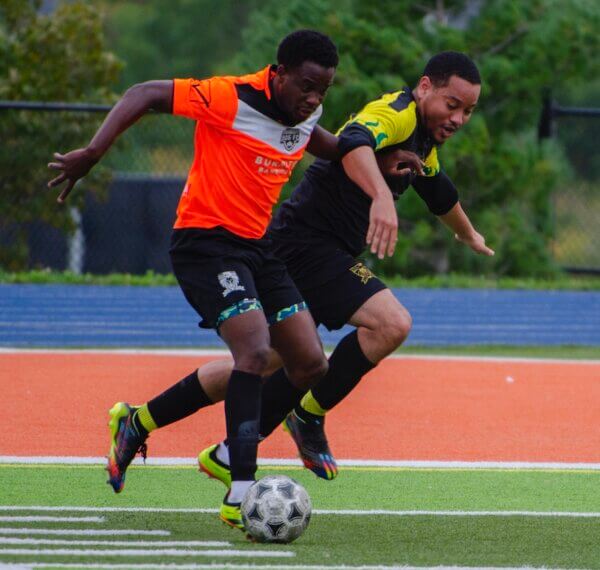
point(246, 305)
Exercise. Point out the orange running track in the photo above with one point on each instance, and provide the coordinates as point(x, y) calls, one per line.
point(406, 409)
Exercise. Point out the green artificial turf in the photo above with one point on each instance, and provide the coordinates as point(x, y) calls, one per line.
point(354, 539)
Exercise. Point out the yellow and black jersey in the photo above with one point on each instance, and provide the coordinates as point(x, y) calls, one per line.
point(390, 122)
point(327, 203)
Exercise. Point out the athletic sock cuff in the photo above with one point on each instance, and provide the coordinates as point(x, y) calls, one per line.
point(310, 404)
point(145, 418)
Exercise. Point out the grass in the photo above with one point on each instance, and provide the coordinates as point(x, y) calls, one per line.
point(343, 539)
point(451, 281)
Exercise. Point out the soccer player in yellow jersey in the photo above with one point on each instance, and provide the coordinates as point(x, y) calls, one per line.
point(341, 208)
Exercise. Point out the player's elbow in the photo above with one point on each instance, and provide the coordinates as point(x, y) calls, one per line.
point(155, 95)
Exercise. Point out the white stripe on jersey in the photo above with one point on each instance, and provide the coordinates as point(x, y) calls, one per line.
point(287, 140)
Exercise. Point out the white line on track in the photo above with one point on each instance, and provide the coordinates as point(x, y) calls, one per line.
point(51, 519)
point(366, 463)
point(219, 352)
point(250, 553)
point(132, 543)
point(351, 512)
point(82, 532)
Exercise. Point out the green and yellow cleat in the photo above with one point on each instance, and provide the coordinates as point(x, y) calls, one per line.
point(125, 442)
point(231, 515)
point(210, 464)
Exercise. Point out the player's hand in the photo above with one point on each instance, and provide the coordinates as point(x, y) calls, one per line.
point(382, 234)
point(399, 163)
point(476, 242)
point(72, 166)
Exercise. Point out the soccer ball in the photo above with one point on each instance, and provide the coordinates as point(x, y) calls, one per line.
point(276, 509)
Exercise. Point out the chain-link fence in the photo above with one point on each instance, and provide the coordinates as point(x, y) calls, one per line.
point(120, 219)
point(576, 205)
point(117, 219)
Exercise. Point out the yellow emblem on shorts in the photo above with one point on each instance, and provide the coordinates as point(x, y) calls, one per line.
point(363, 272)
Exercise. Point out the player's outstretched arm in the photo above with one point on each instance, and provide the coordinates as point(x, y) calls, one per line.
point(361, 167)
point(136, 102)
point(458, 221)
point(323, 144)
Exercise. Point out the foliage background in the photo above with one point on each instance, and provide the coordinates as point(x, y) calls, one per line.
point(507, 181)
point(57, 57)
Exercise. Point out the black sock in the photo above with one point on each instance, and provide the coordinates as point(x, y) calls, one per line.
point(242, 413)
point(179, 401)
point(347, 365)
point(279, 397)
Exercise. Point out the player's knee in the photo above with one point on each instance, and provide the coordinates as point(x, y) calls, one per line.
point(396, 330)
point(255, 360)
point(312, 369)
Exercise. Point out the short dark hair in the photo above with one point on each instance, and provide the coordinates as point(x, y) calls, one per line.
point(445, 64)
point(307, 45)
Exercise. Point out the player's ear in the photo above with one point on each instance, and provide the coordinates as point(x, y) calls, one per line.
point(425, 84)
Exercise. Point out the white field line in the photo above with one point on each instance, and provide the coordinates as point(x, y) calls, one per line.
point(51, 519)
point(267, 462)
point(221, 352)
point(251, 553)
point(82, 532)
point(132, 543)
point(565, 514)
point(351, 512)
point(233, 566)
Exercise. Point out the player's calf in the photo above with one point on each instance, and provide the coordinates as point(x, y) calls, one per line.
point(307, 375)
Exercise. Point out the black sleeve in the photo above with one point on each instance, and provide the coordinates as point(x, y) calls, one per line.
point(438, 192)
point(353, 136)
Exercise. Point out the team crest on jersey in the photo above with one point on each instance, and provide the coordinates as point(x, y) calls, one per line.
point(290, 137)
point(363, 272)
point(230, 282)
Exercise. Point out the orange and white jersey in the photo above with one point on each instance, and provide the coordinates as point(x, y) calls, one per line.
point(243, 152)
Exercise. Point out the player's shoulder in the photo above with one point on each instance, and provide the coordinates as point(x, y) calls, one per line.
point(258, 80)
point(394, 101)
point(396, 108)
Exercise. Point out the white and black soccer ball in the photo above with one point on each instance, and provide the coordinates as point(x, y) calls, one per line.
point(276, 509)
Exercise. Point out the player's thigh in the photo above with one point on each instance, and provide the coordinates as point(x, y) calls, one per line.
point(334, 302)
point(381, 310)
point(248, 339)
point(293, 332)
point(218, 288)
point(296, 341)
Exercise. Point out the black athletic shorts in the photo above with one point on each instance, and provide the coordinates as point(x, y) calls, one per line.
point(223, 275)
point(332, 282)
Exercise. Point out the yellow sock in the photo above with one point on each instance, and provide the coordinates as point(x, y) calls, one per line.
point(146, 419)
point(309, 404)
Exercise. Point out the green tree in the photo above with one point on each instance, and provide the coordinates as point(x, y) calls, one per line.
point(190, 39)
point(505, 180)
point(55, 57)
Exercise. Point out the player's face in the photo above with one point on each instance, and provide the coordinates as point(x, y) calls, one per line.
point(446, 109)
point(300, 90)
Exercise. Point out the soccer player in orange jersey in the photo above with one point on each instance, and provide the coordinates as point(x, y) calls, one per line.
point(250, 133)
